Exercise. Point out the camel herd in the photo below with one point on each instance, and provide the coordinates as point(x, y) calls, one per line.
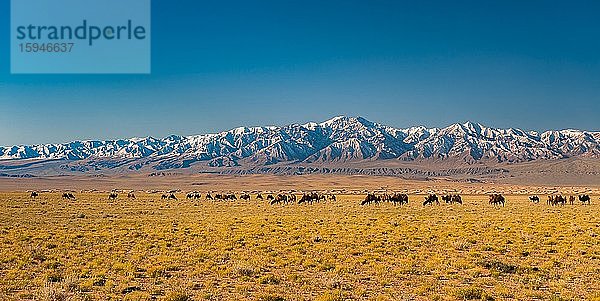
point(314, 197)
point(290, 198)
point(560, 200)
point(396, 199)
point(431, 199)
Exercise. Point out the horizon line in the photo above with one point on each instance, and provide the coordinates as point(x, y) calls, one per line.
point(300, 124)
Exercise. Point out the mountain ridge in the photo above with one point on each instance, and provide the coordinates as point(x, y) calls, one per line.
point(339, 140)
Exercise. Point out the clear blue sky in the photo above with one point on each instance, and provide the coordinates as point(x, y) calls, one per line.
point(221, 64)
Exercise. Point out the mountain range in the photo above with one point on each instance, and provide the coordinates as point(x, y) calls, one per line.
point(341, 143)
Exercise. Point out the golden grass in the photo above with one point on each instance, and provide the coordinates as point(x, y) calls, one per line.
point(92, 249)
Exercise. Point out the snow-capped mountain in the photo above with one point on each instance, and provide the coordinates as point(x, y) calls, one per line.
point(338, 140)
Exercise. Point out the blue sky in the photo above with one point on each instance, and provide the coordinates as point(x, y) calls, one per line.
point(221, 64)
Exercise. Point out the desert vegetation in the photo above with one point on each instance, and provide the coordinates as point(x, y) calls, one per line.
point(148, 248)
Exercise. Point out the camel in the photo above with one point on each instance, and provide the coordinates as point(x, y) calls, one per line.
point(68, 196)
point(283, 199)
point(497, 199)
point(429, 200)
point(292, 198)
point(585, 199)
point(304, 199)
point(452, 198)
point(457, 199)
point(370, 199)
point(398, 199)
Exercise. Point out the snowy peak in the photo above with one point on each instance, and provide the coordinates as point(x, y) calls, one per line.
point(339, 139)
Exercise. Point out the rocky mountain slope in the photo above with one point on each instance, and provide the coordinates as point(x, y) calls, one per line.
point(339, 141)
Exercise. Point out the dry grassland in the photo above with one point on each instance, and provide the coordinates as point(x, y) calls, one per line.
point(148, 249)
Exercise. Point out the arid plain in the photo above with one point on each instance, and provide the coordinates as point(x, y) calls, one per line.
point(153, 249)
